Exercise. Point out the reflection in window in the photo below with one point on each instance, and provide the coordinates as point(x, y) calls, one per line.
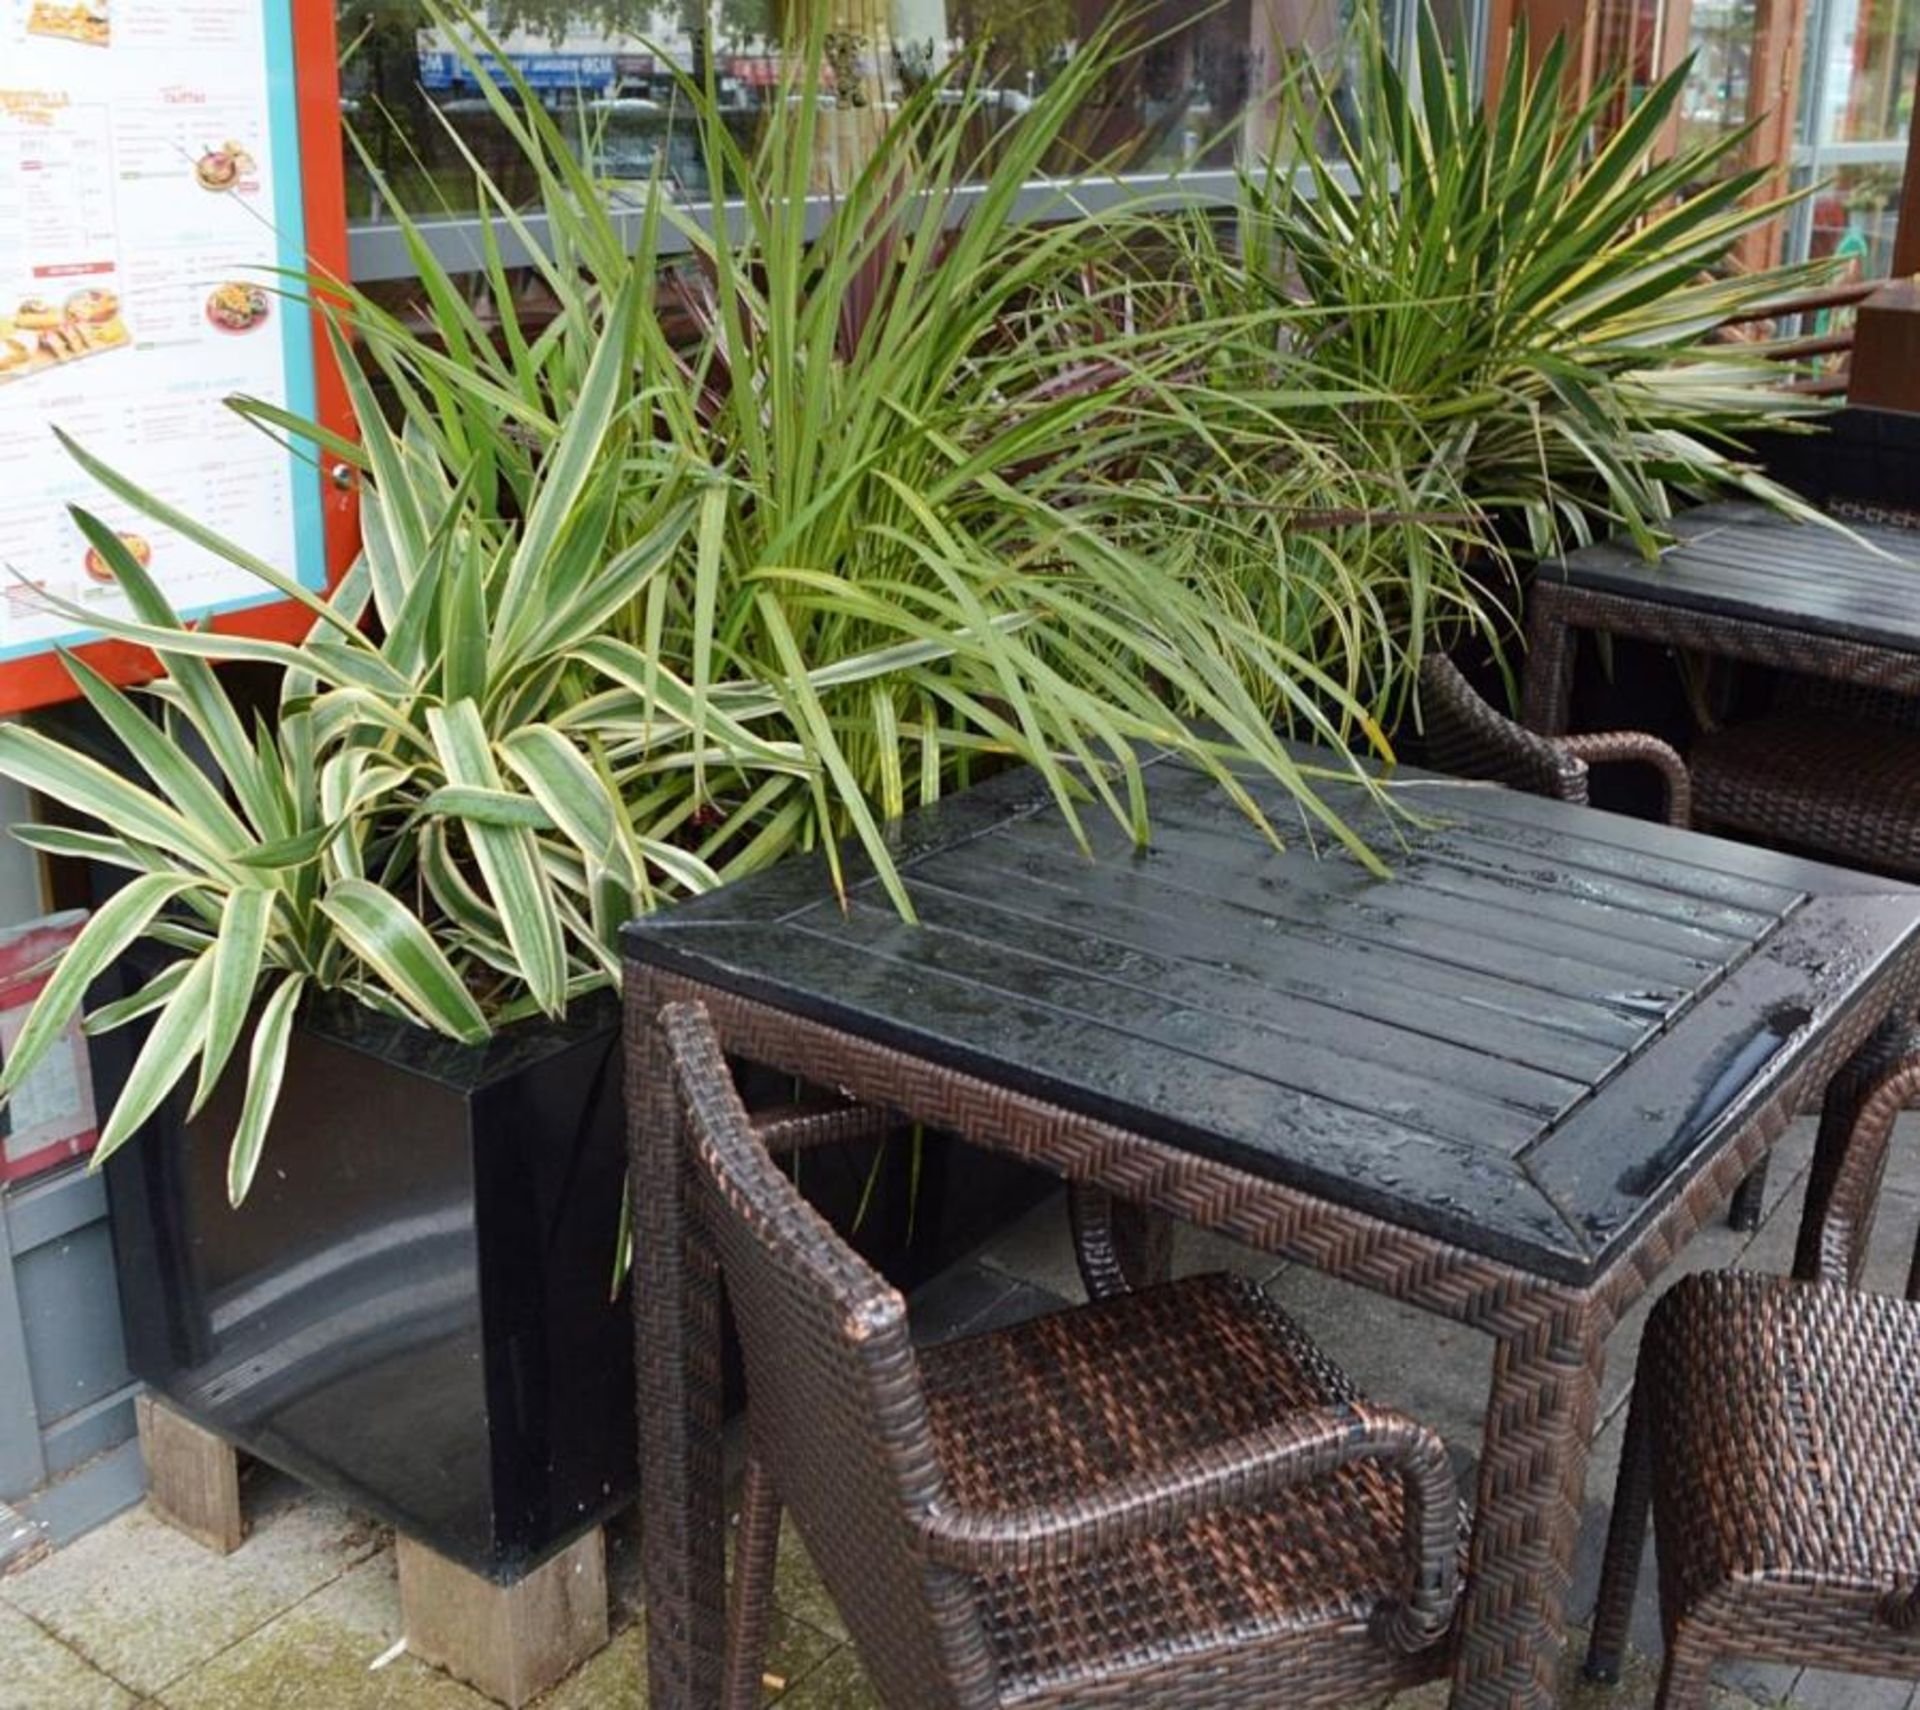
point(1873, 47)
point(609, 68)
point(1861, 95)
point(1718, 97)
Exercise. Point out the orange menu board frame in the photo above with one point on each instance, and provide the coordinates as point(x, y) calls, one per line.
point(307, 51)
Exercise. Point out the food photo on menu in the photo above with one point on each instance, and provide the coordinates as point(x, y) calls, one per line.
point(237, 307)
point(97, 568)
point(87, 21)
point(39, 332)
point(228, 167)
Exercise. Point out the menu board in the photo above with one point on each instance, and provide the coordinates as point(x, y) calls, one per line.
point(151, 230)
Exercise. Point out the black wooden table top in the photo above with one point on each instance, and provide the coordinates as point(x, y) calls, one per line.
point(1744, 561)
point(1524, 1041)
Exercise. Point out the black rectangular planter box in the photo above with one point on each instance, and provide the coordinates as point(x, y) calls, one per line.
point(413, 1309)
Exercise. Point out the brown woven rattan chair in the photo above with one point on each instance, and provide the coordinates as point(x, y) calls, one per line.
point(1833, 768)
point(1164, 1499)
point(1468, 738)
point(1775, 1433)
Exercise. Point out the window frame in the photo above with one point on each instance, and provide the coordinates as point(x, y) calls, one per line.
point(378, 252)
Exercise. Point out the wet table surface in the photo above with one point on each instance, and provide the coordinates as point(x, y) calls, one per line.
point(1739, 560)
point(1524, 1041)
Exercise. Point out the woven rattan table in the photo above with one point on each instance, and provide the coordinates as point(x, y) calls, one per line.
point(1505, 1084)
point(1741, 582)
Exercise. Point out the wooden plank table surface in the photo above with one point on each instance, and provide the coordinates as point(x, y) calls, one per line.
point(1504, 1083)
point(1742, 582)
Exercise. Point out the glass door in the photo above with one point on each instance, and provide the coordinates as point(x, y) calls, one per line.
point(1855, 111)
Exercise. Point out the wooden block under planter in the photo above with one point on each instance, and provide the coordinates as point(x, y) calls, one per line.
point(193, 1476)
point(511, 1641)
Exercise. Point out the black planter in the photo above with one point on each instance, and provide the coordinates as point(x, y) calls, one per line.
point(412, 1310)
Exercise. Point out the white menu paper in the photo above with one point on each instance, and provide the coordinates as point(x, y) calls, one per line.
point(149, 213)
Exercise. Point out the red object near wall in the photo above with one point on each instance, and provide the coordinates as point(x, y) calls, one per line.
point(50, 1118)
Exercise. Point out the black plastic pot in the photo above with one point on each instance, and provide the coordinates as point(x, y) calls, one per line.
point(413, 1308)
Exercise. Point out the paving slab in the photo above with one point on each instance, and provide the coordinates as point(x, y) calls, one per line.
point(1401, 1357)
point(1817, 1689)
point(839, 1683)
point(616, 1679)
point(1035, 1249)
point(1890, 1251)
point(37, 1672)
point(145, 1604)
point(1761, 1682)
point(320, 1655)
point(963, 1298)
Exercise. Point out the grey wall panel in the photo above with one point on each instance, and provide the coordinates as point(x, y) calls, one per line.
point(70, 1313)
point(44, 1210)
point(22, 1466)
point(66, 1396)
point(73, 1441)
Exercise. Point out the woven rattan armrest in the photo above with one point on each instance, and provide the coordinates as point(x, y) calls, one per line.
point(1617, 747)
point(1840, 1241)
point(1244, 1472)
point(1468, 736)
point(798, 1128)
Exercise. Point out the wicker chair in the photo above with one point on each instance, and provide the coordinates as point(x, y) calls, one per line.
point(1164, 1499)
point(1775, 1433)
point(1833, 768)
point(1467, 737)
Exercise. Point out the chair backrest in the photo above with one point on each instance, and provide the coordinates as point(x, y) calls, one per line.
point(1467, 738)
point(1868, 511)
point(835, 1411)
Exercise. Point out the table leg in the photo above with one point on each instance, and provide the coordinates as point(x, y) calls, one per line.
point(1547, 691)
point(1119, 1246)
point(1533, 1462)
point(1749, 1201)
point(676, 1288)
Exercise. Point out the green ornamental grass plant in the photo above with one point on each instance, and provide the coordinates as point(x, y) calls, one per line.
point(891, 385)
point(432, 821)
point(794, 516)
point(1503, 325)
point(744, 551)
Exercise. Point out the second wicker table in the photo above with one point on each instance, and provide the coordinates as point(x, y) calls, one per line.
point(1834, 768)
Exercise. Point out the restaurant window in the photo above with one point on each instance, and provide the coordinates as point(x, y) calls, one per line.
point(610, 70)
point(1857, 109)
point(1827, 84)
